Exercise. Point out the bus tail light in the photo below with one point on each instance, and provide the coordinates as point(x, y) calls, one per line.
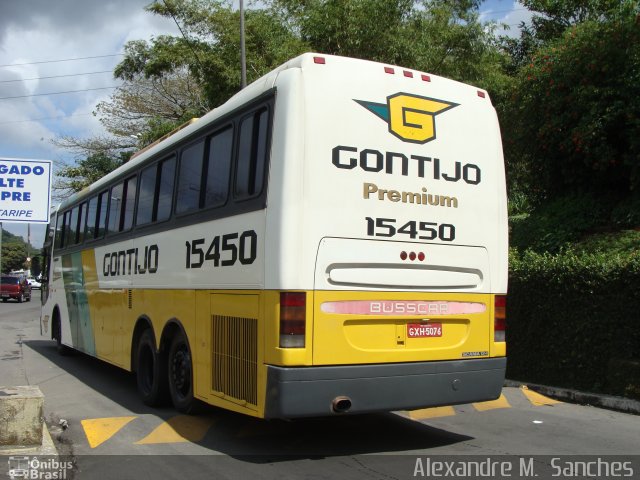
point(293, 319)
point(500, 318)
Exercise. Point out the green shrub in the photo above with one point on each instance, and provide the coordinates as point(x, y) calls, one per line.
point(573, 316)
point(556, 224)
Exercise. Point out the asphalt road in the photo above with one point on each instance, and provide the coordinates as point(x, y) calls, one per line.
point(111, 434)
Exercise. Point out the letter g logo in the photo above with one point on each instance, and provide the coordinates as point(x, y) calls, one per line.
point(411, 118)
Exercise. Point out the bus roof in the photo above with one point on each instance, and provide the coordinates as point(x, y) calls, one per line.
point(256, 88)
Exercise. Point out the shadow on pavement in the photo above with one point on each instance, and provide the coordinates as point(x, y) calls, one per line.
point(262, 441)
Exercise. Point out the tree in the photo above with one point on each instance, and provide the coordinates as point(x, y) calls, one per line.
point(73, 178)
point(574, 113)
point(443, 37)
point(14, 257)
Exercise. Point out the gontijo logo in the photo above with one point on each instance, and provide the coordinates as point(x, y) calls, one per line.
point(411, 118)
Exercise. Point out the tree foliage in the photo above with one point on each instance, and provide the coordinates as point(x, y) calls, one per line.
point(574, 112)
point(87, 170)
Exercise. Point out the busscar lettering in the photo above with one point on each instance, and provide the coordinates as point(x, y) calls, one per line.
point(375, 161)
point(131, 262)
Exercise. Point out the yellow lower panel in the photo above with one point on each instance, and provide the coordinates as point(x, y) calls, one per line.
point(384, 327)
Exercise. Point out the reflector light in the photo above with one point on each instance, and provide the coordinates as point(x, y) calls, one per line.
point(426, 78)
point(319, 60)
point(389, 70)
point(421, 257)
point(408, 74)
point(481, 94)
point(500, 318)
point(293, 313)
point(412, 256)
point(403, 255)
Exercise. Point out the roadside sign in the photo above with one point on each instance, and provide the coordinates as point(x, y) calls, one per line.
point(25, 190)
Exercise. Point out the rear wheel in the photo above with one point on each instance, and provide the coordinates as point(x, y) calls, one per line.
point(151, 371)
point(181, 375)
point(21, 298)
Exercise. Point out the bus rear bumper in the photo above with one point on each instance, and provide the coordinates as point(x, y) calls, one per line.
point(328, 390)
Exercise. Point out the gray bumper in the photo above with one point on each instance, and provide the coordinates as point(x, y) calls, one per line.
point(310, 391)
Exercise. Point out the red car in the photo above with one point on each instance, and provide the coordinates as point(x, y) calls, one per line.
point(16, 287)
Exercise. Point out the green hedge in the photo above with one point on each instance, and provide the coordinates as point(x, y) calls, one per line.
point(574, 321)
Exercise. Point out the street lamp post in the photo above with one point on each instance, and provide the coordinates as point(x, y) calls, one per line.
point(243, 53)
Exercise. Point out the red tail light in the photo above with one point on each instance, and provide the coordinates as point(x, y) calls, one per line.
point(293, 319)
point(500, 318)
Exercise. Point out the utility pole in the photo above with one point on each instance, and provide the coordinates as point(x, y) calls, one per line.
point(243, 53)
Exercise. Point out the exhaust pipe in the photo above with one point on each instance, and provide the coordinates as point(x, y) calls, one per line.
point(341, 404)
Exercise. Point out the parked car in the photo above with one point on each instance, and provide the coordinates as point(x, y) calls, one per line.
point(34, 282)
point(16, 287)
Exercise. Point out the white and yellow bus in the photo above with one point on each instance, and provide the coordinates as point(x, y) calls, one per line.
point(331, 240)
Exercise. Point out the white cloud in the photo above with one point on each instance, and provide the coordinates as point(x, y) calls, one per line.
point(41, 30)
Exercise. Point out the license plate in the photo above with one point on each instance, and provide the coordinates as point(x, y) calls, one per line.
point(421, 330)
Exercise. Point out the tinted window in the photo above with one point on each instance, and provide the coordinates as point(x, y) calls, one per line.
point(165, 191)
point(218, 167)
point(102, 214)
point(252, 154)
point(147, 195)
point(59, 231)
point(73, 228)
point(92, 217)
point(65, 232)
point(83, 222)
point(129, 203)
point(115, 207)
point(190, 178)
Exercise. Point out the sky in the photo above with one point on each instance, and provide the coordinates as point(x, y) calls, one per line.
point(79, 42)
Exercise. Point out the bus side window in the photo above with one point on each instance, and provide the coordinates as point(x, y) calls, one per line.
point(101, 224)
point(92, 212)
point(165, 190)
point(190, 178)
point(71, 239)
point(218, 167)
point(252, 154)
point(115, 208)
point(59, 232)
point(146, 195)
point(66, 229)
point(83, 222)
point(129, 203)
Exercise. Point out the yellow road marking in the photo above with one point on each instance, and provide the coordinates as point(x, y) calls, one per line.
point(183, 428)
point(433, 412)
point(99, 430)
point(537, 399)
point(492, 405)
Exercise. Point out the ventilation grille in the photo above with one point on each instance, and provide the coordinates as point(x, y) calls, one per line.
point(130, 299)
point(235, 353)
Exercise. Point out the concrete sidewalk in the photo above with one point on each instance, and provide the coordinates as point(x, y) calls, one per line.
point(611, 402)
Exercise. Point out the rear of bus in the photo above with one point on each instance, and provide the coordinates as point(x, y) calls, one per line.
point(386, 241)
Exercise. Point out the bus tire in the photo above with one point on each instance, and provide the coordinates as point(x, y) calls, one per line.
point(151, 371)
point(63, 350)
point(181, 375)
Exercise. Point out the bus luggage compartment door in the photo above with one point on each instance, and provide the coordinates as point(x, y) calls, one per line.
point(374, 306)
